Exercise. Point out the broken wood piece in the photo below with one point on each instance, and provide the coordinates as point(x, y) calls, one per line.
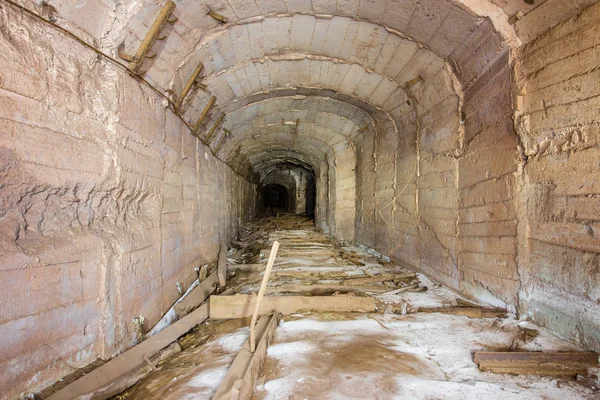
point(401, 290)
point(323, 289)
point(261, 292)
point(197, 296)
point(242, 305)
point(151, 36)
point(204, 113)
point(536, 363)
point(188, 85)
point(222, 265)
point(241, 377)
point(129, 361)
point(471, 312)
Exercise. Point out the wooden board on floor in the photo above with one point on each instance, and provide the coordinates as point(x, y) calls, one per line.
point(241, 378)
point(197, 295)
point(128, 362)
point(242, 305)
point(536, 363)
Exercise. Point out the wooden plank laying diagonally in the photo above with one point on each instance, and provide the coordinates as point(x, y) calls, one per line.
point(241, 305)
point(536, 363)
point(129, 361)
point(241, 378)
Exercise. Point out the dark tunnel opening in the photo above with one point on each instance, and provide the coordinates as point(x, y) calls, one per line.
point(275, 198)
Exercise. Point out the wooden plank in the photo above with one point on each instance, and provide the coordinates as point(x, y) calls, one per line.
point(197, 296)
point(324, 289)
point(471, 312)
point(241, 378)
point(536, 363)
point(130, 360)
point(242, 305)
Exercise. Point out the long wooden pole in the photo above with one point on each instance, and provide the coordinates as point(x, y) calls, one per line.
point(189, 84)
point(261, 293)
point(210, 103)
point(151, 36)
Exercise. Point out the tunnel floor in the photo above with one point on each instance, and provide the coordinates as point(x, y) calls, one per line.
point(408, 350)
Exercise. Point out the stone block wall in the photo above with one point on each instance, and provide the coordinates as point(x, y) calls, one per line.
point(559, 122)
point(107, 203)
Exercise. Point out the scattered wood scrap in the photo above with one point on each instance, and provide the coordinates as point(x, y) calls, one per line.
point(242, 375)
point(536, 363)
point(100, 383)
point(241, 306)
point(471, 312)
point(197, 296)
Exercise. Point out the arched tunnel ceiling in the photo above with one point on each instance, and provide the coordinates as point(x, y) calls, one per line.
point(359, 65)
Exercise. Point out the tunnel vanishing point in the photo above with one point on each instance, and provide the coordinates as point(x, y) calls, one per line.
point(459, 138)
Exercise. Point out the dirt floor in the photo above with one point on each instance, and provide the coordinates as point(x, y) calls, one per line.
point(408, 350)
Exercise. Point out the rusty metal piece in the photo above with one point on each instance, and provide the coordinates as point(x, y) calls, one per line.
point(217, 16)
point(188, 85)
point(151, 36)
point(207, 108)
point(214, 128)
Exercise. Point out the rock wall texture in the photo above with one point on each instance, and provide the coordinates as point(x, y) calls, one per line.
point(559, 123)
point(107, 204)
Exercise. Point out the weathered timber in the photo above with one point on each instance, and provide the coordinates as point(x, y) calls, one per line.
point(241, 378)
point(151, 36)
point(214, 128)
point(221, 141)
point(204, 113)
point(188, 85)
point(129, 361)
point(197, 295)
point(536, 363)
point(471, 312)
point(246, 267)
point(261, 292)
point(241, 306)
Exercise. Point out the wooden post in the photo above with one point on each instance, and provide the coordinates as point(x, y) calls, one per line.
point(207, 108)
point(214, 128)
point(188, 85)
point(151, 36)
point(261, 293)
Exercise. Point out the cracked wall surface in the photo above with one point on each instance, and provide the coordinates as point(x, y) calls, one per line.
point(107, 203)
point(559, 123)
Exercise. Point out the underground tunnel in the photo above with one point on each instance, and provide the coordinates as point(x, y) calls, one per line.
point(406, 191)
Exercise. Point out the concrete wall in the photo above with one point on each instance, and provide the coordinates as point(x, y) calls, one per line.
point(437, 191)
point(559, 123)
point(106, 202)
